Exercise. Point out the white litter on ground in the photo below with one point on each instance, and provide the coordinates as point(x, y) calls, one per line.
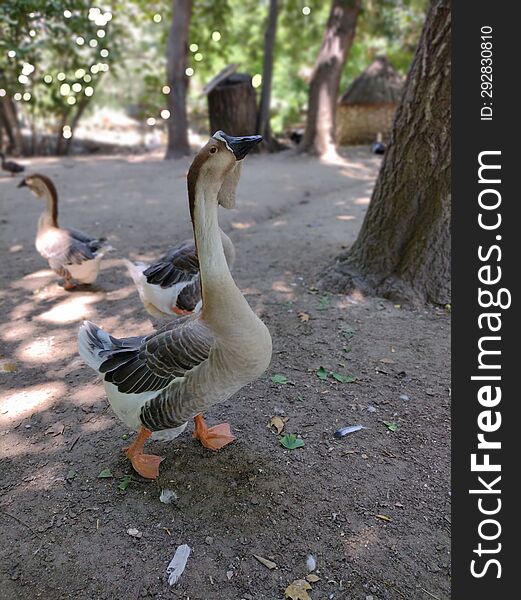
point(178, 563)
point(167, 496)
point(311, 563)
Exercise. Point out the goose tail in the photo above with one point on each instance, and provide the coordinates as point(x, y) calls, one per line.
point(92, 342)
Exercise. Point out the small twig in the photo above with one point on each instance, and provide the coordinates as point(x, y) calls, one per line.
point(431, 595)
point(73, 443)
point(21, 522)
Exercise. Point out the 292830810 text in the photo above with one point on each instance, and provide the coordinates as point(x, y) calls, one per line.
point(486, 70)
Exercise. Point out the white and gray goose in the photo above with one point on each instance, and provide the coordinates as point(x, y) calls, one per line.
point(155, 384)
point(71, 253)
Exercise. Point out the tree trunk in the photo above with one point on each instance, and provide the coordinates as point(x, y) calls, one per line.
point(12, 126)
point(177, 53)
point(319, 137)
point(263, 122)
point(403, 249)
point(232, 106)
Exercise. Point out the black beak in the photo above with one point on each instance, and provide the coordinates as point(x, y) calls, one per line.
point(240, 146)
point(22, 184)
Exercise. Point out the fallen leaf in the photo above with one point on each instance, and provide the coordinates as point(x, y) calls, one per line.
point(391, 426)
point(383, 517)
point(56, 429)
point(303, 316)
point(298, 590)
point(105, 474)
point(387, 361)
point(343, 378)
point(125, 482)
point(348, 333)
point(324, 302)
point(279, 379)
point(291, 441)
point(133, 532)
point(322, 373)
point(71, 474)
point(267, 563)
point(312, 578)
point(278, 423)
point(9, 367)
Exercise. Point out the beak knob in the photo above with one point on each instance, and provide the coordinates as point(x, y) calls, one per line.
point(240, 146)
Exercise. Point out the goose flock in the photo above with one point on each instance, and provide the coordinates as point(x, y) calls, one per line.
point(213, 343)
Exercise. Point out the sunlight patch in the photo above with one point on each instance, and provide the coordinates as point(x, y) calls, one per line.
point(70, 310)
point(345, 217)
point(281, 286)
point(25, 402)
point(242, 225)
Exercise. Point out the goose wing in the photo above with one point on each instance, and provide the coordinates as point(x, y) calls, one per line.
point(179, 264)
point(93, 243)
point(137, 365)
point(60, 248)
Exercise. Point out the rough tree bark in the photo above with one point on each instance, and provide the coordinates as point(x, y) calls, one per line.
point(319, 137)
point(177, 52)
point(263, 122)
point(403, 249)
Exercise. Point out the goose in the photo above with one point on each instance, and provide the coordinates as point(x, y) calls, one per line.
point(155, 384)
point(378, 147)
point(171, 286)
point(11, 166)
point(71, 254)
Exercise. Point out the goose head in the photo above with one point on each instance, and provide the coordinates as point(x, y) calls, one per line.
point(40, 185)
point(217, 166)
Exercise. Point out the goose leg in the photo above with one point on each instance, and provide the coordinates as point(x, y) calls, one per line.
point(67, 277)
point(147, 465)
point(180, 311)
point(215, 437)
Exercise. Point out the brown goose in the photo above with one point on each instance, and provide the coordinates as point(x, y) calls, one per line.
point(71, 253)
point(155, 384)
point(172, 286)
point(11, 166)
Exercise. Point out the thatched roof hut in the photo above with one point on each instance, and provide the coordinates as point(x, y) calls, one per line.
point(368, 106)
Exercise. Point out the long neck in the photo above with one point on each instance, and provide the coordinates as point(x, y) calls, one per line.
point(219, 292)
point(50, 215)
point(229, 248)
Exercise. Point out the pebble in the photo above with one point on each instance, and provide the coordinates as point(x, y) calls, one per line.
point(208, 539)
point(404, 397)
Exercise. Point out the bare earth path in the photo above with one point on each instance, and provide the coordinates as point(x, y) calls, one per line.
point(373, 507)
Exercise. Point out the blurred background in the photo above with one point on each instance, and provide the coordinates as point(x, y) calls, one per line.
point(78, 77)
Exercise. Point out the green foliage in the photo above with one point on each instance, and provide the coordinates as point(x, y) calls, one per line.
point(221, 33)
point(53, 55)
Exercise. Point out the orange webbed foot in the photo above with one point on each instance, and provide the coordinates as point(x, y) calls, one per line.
point(147, 465)
point(213, 438)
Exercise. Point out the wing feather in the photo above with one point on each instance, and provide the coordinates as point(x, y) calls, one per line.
point(147, 364)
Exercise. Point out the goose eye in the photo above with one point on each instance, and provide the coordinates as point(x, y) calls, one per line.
point(213, 150)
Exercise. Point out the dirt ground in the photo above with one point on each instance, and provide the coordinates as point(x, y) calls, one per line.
point(373, 508)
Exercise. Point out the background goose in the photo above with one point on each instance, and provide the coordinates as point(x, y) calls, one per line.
point(11, 166)
point(155, 384)
point(71, 253)
point(172, 284)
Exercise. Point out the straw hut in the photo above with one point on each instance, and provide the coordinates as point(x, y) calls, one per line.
point(368, 106)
